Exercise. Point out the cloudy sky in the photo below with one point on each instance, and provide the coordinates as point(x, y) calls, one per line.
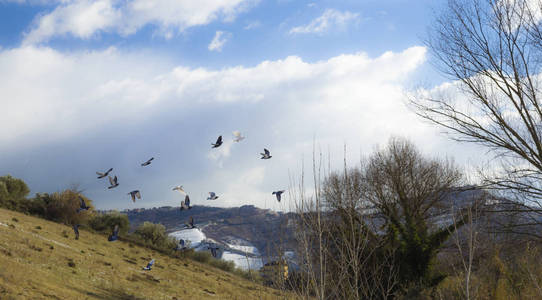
point(90, 84)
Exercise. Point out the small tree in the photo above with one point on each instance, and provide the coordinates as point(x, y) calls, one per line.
point(12, 192)
point(105, 222)
point(408, 192)
point(154, 234)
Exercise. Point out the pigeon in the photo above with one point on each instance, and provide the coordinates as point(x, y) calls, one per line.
point(213, 249)
point(181, 245)
point(102, 175)
point(83, 205)
point(76, 231)
point(135, 194)
point(180, 189)
point(266, 154)
point(148, 162)
point(278, 194)
point(190, 223)
point(149, 265)
point(212, 196)
point(218, 142)
point(237, 136)
point(114, 235)
point(113, 181)
point(185, 204)
point(213, 252)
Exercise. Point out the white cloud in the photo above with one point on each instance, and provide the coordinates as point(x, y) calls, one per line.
point(330, 18)
point(219, 40)
point(116, 99)
point(85, 18)
point(252, 25)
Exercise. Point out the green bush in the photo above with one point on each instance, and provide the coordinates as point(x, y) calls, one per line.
point(155, 235)
point(12, 192)
point(105, 222)
point(60, 207)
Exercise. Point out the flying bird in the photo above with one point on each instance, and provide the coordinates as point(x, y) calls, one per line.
point(82, 205)
point(149, 265)
point(181, 245)
point(113, 181)
point(102, 175)
point(180, 189)
point(114, 235)
point(212, 196)
point(213, 251)
point(135, 194)
point(185, 204)
point(190, 223)
point(76, 231)
point(237, 136)
point(218, 142)
point(266, 154)
point(278, 194)
point(148, 162)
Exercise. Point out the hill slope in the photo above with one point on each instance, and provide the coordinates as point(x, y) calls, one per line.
point(42, 260)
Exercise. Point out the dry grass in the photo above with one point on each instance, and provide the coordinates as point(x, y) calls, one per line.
point(45, 264)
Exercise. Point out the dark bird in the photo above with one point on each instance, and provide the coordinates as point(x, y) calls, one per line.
point(114, 235)
point(76, 231)
point(102, 175)
point(185, 204)
point(278, 194)
point(135, 194)
point(190, 223)
point(181, 245)
point(218, 142)
point(148, 162)
point(266, 154)
point(82, 205)
point(149, 265)
point(113, 181)
point(212, 196)
point(213, 249)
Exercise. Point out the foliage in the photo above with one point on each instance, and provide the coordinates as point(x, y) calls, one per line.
point(105, 222)
point(155, 235)
point(61, 207)
point(12, 192)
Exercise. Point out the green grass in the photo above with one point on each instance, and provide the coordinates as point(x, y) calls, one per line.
point(42, 260)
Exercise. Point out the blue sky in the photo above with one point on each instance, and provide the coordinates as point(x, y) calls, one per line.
point(88, 85)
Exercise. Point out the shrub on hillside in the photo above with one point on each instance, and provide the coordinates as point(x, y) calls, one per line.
point(155, 235)
point(61, 207)
point(104, 222)
point(12, 192)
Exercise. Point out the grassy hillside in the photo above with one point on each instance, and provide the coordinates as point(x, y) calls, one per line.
point(42, 260)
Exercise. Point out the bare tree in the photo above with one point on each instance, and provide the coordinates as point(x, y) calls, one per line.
point(372, 231)
point(491, 49)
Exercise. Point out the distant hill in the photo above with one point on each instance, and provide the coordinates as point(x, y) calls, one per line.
point(42, 260)
point(263, 228)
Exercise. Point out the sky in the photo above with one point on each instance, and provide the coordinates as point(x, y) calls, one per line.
point(86, 85)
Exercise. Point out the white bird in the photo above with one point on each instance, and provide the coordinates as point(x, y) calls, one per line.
point(278, 194)
point(237, 136)
point(180, 189)
point(212, 196)
point(266, 154)
point(135, 194)
point(113, 181)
